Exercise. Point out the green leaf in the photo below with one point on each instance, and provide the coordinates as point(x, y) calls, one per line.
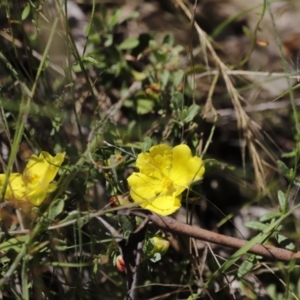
point(248, 289)
point(177, 77)
point(290, 154)
point(247, 32)
point(282, 200)
point(192, 112)
point(25, 12)
point(224, 220)
point(109, 40)
point(285, 242)
point(144, 106)
point(13, 243)
point(138, 76)
point(256, 225)
point(270, 216)
point(133, 15)
point(114, 19)
point(182, 114)
point(56, 208)
point(70, 217)
point(156, 257)
point(60, 245)
point(90, 59)
point(246, 267)
point(129, 43)
point(177, 100)
point(296, 183)
point(194, 297)
point(288, 173)
point(164, 78)
point(292, 266)
point(147, 144)
point(168, 39)
point(127, 224)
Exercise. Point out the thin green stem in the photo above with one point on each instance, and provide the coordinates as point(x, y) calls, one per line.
point(25, 293)
point(44, 57)
point(14, 265)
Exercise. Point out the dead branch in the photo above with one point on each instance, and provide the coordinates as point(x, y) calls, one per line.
point(266, 251)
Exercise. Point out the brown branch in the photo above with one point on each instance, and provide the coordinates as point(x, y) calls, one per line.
point(170, 224)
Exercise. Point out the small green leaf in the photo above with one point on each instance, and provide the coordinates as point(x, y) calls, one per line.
point(164, 78)
point(177, 77)
point(90, 59)
point(248, 289)
point(270, 216)
point(192, 112)
point(285, 242)
point(70, 217)
point(26, 12)
point(288, 173)
point(193, 297)
point(177, 100)
point(127, 224)
point(133, 15)
point(129, 43)
point(144, 106)
point(292, 265)
point(256, 225)
point(147, 144)
point(156, 257)
point(114, 19)
point(246, 267)
point(13, 243)
point(247, 32)
point(138, 76)
point(56, 208)
point(183, 114)
point(168, 39)
point(290, 154)
point(282, 200)
point(296, 183)
point(109, 40)
point(60, 245)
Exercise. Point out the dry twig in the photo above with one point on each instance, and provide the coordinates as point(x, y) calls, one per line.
point(170, 224)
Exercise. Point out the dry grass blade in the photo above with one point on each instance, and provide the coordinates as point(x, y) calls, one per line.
point(243, 121)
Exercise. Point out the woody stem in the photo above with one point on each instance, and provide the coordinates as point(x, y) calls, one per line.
point(271, 252)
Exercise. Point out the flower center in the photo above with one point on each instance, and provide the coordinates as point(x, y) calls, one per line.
point(33, 179)
point(167, 183)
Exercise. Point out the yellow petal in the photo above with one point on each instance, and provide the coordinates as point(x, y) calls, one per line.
point(143, 188)
point(42, 169)
point(149, 194)
point(51, 188)
point(37, 195)
point(157, 161)
point(185, 168)
point(16, 187)
point(164, 205)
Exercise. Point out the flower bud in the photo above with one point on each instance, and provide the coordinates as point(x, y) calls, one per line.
point(157, 244)
point(118, 200)
point(120, 263)
point(114, 160)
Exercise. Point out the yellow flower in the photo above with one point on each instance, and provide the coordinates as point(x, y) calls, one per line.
point(34, 184)
point(165, 173)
